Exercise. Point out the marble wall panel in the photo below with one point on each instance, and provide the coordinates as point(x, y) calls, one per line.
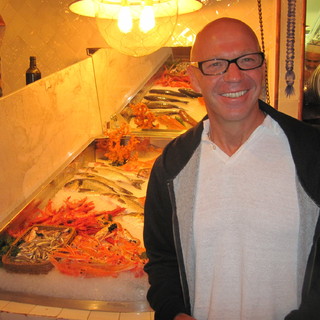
point(41, 127)
point(45, 124)
point(119, 77)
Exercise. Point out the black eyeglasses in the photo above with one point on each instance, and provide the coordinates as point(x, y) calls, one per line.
point(214, 67)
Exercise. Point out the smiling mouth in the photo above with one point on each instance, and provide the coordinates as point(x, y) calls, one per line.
point(235, 94)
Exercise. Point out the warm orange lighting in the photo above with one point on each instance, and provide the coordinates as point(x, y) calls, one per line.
point(147, 19)
point(135, 27)
point(125, 19)
point(161, 7)
point(83, 8)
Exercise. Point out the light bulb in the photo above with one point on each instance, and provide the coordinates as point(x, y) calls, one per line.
point(125, 19)
point(147, 19)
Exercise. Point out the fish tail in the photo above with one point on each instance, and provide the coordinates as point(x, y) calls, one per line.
point(125, 191)
point(137, 184)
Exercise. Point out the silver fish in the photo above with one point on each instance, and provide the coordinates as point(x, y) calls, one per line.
point(88, 185)
point(130, 202)
point(116, 175)
point(105, 181)
point(38, 244)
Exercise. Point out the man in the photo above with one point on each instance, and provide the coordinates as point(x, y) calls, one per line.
point(232, 208)
point(312, 59)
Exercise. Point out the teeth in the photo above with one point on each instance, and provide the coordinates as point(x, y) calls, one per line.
point(234, 94)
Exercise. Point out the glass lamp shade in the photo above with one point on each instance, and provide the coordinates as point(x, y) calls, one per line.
point(135, 29)
point(83, 7)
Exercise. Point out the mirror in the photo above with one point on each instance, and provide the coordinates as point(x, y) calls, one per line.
point(311, 95)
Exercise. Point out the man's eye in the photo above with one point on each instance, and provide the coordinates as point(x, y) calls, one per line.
point(247, 60)
point(215, 64)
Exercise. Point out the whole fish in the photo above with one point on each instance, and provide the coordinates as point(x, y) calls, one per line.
point(160, 112)
point(169, 92)
point(162, 105)
point(163, 98)
point(130, 202)
point(190, 93)
point(111, 184)
point(88, 185)
point(116, 175)
point(186, 117)
point(38, 244)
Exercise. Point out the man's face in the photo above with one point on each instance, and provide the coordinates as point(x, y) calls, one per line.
point(233, 95)
point(312, 60)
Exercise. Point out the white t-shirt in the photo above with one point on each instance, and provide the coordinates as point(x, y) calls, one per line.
point(246, 226)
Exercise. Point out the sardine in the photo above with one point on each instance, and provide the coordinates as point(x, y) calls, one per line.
point(169, 92)
point(190, 93)
point(37, 249)
point(163, 98)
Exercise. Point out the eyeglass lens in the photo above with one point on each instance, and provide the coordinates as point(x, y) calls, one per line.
point(219, 66)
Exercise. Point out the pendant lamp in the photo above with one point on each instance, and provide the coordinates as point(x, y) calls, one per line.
point(135, 27)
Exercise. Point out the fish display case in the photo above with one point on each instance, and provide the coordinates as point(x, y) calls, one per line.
point(165, 106)
point(78, 243)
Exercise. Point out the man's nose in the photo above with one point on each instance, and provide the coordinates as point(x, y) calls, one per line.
point(233, 72)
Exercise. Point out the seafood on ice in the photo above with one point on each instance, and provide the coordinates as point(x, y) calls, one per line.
point(36, 245)
point(104, 206)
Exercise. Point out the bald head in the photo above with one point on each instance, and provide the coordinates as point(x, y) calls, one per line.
point(221, 34)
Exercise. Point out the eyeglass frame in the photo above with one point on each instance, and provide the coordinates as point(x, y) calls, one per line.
point(199, 64)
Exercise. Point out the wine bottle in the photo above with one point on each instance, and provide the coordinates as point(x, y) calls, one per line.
point(33, 73)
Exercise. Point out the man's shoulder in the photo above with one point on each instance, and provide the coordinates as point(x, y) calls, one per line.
point(289, 124)
point(187, 141)
point(179, 150)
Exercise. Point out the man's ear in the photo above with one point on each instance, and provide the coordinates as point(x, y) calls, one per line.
point(191, 71)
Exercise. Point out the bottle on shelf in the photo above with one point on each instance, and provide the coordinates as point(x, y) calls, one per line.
point(33, 73)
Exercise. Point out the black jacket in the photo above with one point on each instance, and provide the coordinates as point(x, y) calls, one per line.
point(169, 290)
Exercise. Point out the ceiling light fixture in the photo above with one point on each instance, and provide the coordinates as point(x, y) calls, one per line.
point(125, 17)
point(83, 8)
point(88, 7)
point(135, 27)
